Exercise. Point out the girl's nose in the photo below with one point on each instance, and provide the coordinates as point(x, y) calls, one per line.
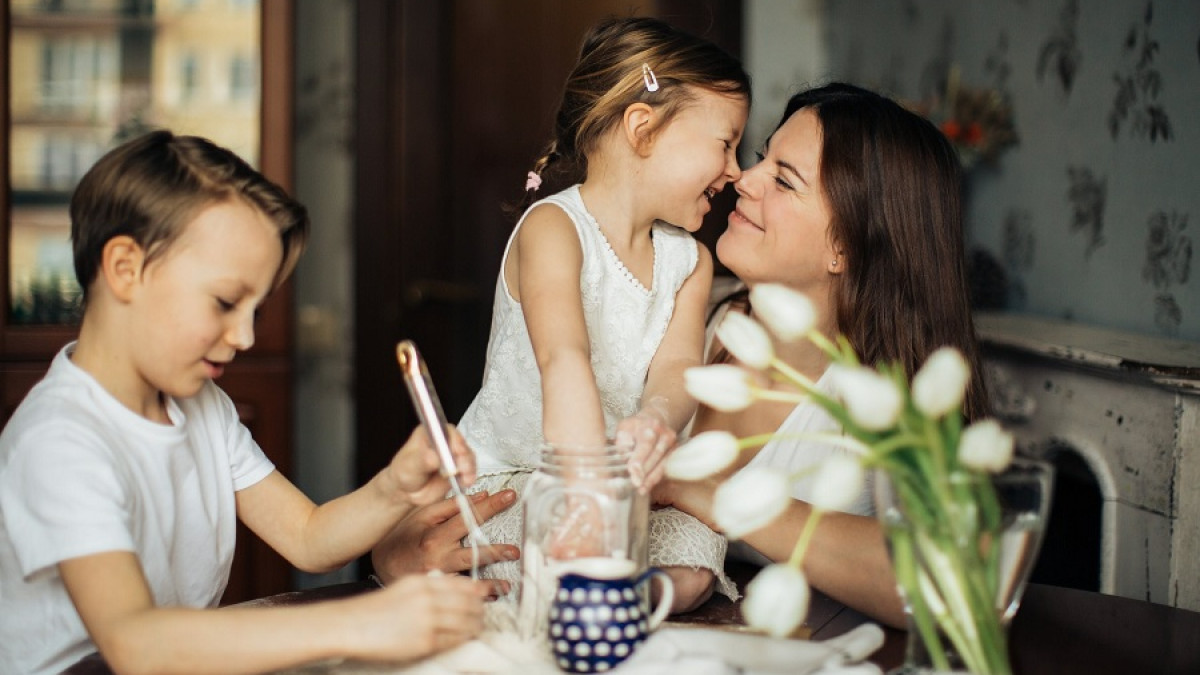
point(733, 171)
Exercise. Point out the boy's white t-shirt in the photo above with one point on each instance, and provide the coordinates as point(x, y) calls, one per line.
point(82, 474)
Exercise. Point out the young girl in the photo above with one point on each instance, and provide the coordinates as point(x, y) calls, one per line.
point(123, 472)
point(599, 307)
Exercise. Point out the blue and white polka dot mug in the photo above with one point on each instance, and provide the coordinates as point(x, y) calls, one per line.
point(601, 612)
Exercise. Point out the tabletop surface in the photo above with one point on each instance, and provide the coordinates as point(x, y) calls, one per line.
point(1057, 630)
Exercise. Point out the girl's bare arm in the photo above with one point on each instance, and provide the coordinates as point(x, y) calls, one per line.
point(548, 260)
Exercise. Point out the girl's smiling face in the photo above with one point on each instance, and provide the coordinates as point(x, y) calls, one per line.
point(779, 231)
point(195, 307)
point(694, 156)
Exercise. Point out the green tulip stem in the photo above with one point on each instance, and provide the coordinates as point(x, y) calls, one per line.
point(810, 526)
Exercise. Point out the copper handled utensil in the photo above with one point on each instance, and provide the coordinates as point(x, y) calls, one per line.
point(429, 411)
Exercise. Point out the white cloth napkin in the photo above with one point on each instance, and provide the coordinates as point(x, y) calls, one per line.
point(670, 651)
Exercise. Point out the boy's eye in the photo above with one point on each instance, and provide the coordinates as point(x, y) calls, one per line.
point(225, 305)
point(759, 156)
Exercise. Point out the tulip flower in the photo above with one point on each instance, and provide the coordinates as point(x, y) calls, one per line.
point(941, 383)
point(777, 600)
point(751, 499)
point(702, 456)
point(838, 482)
point(872, 400)
point(985, 446)
point(721, 387)
point(787, 313)
point(746, 339)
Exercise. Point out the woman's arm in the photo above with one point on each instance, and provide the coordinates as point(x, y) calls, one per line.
point(846, 558)
point(430, 539)
point(414, 618)
point(666, 405)
point(548, 259)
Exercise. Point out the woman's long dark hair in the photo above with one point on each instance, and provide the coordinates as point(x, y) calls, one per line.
point(893, 184)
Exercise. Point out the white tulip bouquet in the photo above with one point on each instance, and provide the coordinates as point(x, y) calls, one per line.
point(945, 566)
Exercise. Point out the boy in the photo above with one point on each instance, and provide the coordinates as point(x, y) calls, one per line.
point(123, 472)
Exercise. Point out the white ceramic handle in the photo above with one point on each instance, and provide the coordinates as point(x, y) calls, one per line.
point(664, 600)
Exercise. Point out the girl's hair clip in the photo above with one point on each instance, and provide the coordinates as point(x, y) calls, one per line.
point(649, 78)
point(532, 181)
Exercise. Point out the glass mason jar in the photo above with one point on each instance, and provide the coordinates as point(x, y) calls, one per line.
point(580, 503)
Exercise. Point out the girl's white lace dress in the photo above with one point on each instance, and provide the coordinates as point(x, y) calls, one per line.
point(625, 323)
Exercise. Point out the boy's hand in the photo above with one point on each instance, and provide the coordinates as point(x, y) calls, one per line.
point(415, 617)
point(650, 437)
point(415, 471)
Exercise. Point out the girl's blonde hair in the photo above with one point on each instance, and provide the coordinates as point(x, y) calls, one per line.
point(611, 74)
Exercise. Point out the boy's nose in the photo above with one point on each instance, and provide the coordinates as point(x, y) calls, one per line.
point(241, 333)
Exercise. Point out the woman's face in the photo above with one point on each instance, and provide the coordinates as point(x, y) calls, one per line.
point(779, 232)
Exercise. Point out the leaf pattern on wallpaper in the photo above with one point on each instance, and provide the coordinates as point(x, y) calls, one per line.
point(1168, 262)
point(1087, 195)
point(1020, 243)
point(1060, 54)
point(1138, 87)
point(1168, 250)
point(933, 76)
point(1167, 314)
point(997, 65)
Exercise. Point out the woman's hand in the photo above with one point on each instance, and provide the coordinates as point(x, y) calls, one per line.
point(650, 437)
point(692, 497)
point(415, 470)
point(430, 539)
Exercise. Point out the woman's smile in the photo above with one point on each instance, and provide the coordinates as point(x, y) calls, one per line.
point(738, 219)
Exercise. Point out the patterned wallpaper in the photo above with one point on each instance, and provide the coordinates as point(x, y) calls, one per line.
point(1092, 215)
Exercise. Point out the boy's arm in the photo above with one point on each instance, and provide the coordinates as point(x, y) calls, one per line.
point(549, 259)
point(666, 405)
point(323, 538)
point(408, 620)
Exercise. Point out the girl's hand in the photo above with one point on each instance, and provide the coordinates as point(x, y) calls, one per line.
point(415, 471)
point(650, 437)
point(415, 617)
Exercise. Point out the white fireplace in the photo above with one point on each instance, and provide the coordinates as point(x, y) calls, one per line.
point(1129, 407)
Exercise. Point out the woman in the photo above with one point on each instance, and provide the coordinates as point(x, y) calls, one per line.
point(857, 204)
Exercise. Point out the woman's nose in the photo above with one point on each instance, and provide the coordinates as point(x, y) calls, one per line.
point(747, 183)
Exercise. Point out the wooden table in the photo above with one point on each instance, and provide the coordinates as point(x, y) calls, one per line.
point(1057, 631)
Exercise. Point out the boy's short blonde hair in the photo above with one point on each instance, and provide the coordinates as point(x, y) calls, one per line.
point(151, 187)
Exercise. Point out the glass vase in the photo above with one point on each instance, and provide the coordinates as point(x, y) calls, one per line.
point(962, 549)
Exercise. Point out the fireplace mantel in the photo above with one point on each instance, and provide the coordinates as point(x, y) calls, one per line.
point(1129, 406)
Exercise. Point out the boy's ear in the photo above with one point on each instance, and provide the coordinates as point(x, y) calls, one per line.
point(638, 125)
point(121, 264)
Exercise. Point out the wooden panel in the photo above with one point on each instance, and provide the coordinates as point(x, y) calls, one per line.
point(260, 389)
